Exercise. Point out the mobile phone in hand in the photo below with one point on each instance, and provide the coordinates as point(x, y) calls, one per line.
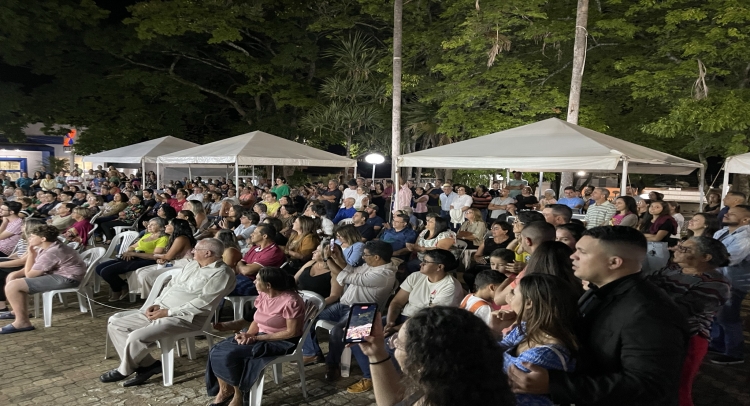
point(359, 322)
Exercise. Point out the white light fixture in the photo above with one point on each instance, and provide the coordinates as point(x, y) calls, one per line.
point(581, 173)
point(374, 159)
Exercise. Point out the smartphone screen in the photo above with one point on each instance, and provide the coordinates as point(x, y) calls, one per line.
point(359, 324)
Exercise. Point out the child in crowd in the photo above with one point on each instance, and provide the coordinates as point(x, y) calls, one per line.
point(545, 309)
point(500, 259)
point(487, 283)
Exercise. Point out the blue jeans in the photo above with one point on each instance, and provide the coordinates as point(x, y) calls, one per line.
point(336, 313)
point(364, 361)
point(726, 331)
point(446, 215)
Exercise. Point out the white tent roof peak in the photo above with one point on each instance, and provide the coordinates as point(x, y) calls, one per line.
point(738, 163)
point(257, 148)
point(146, 151)
point(551, 145)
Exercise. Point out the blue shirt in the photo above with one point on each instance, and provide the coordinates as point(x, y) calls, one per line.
point(447, 201)
point(738, 245)
point(375, 221)
point(572, 202)
point(344, 213)
point(398, 239)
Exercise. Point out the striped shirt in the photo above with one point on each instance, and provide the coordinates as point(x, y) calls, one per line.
point(599, 214)
point(698, 297)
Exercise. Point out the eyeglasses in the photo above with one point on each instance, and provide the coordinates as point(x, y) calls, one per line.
point(394, 343)
point(368, 255)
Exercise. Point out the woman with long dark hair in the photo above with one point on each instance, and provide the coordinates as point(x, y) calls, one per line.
point(553, 258)
point(703, 225)
point(627, 212)
point(302, 241)
point(457, 365)
point(545, 309)
point(435, 235)
point(275, 328)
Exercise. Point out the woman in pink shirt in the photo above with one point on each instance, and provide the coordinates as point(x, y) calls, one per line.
point(275, 329)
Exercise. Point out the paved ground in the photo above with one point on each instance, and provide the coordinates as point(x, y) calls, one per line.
point(60, 365)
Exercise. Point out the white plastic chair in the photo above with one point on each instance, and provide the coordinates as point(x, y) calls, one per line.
point(169, 344)
point(345, 221)
point(124, 240)
point(460, 245)
point(91, 258)
point(314, 304)
point(238, 304)
point(346, 356)
point(91, 239)
point(132, 227)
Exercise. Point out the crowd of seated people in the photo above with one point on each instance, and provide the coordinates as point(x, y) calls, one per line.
point(535, 288)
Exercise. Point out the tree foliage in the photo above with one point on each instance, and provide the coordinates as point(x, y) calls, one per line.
point(668, 74)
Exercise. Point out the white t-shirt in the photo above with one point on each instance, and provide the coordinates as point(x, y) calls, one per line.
point(349, 193)
point(423, 293)
point(500, 201)
point(462, 201)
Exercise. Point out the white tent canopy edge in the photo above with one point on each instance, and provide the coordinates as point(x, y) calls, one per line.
point(256, 148)
point(734, 164)
point(553, 145)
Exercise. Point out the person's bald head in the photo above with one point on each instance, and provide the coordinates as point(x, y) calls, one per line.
point(536, 233)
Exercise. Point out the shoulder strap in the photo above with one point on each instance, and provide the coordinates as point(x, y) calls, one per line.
point(463, 302)
point(559, 355)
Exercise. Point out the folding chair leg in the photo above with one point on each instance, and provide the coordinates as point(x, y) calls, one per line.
point(107, 345)
point(47, 299)
point(97, 283)
point(277, 373)
point(303, 385)
point(81, 304)
point(256, 393)
point(346, 362)
point(167, 361)
point(190, 345)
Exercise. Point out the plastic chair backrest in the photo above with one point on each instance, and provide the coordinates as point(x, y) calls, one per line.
point(159, 284)
point(345, 221)
point(91, 257)
point(314, 304)
point(127, 239)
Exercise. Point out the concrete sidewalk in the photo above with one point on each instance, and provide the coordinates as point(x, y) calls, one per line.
point(61, 365)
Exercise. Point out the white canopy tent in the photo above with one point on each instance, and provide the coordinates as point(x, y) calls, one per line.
point(256, 148)
point(142, 153)
point(734, 164)
point(552, 145)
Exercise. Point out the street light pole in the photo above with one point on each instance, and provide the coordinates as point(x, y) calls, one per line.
point(374, 159)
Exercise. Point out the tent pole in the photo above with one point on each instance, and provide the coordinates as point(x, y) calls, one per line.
point(273, 175)
point(541, 179)
point(624, 180)
point(190, 173)
point(143, 175)
point(725, 186)
point(237, 175)
point(158, 177)
point(701, 180)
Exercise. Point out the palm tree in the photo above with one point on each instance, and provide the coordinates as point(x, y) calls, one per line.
point(355, 95)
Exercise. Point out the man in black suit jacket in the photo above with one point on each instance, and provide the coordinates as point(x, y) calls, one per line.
point(632, 336)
